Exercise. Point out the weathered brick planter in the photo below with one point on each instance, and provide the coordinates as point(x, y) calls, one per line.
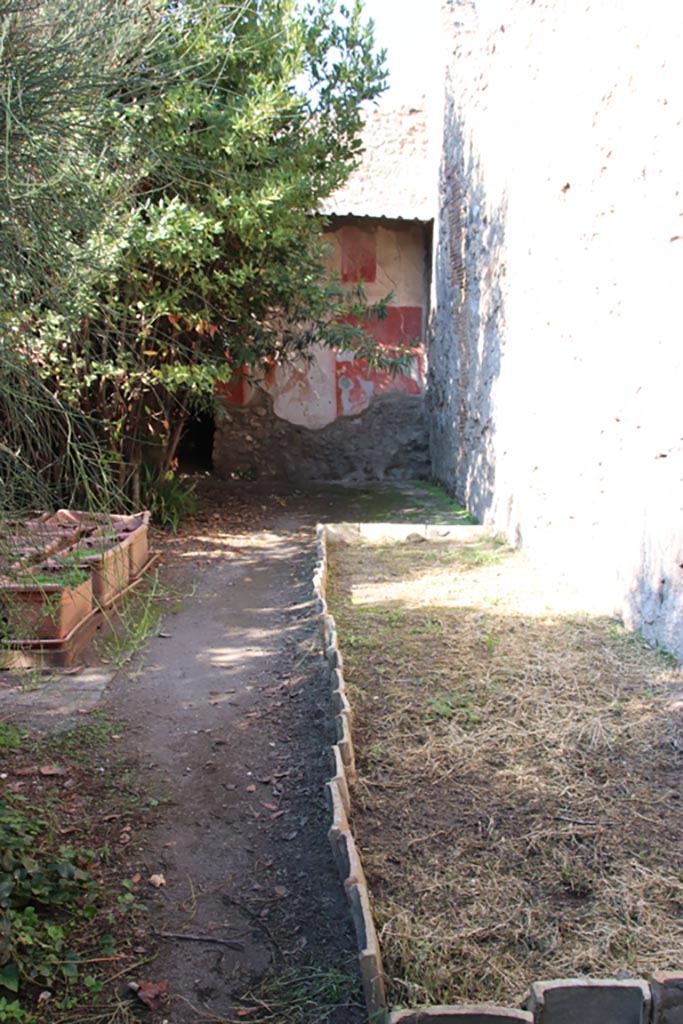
point(46, 611)
point(108, 562)
point(46, 614)
point(132, 533)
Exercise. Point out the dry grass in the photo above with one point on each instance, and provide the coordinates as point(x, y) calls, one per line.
point(519, 810)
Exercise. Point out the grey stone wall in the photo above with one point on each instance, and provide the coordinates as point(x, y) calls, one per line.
point(388, 441)
point(556, 355)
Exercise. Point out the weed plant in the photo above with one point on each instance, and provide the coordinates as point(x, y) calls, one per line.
point(171, 500)
point(66, 903)
point(310, 994)
point(133, 623)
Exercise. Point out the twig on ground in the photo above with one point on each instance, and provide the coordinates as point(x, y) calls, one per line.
point(232, 943)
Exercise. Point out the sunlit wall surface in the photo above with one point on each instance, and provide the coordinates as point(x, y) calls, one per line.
point(557, 363)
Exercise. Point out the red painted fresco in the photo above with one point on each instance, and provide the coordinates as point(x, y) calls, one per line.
point(237, 389)
point(356, 383)
point(358, 254)
point(402, 325)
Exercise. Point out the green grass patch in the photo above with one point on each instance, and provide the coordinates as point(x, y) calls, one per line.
point(309, 994)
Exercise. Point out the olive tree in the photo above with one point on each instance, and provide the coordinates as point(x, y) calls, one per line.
point(186, 201)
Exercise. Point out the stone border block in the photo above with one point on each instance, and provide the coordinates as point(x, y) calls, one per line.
point(356, 876)
point(319, 584)
point(340, 821)
point(333, 655)
point(338, 834)
point(345, 744)
point(341, 704)
point(351, 533)
point(341, 533)
point(464, 534)
point(590, 1001)
point(372, 974)
point(666, 988)
point(340, 778)
point(339, 841)
point(326, 626)
point(337, 679)
point(475, 1013)
point(372, 979)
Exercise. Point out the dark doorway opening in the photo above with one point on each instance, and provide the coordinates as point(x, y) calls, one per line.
point(195, 451)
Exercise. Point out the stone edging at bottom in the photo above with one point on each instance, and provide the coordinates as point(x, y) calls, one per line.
point(565, 1001)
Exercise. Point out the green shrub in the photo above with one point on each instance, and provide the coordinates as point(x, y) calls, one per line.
point(170, 500)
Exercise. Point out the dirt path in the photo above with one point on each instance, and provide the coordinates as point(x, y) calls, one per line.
point(229, 716)
point(227, 719)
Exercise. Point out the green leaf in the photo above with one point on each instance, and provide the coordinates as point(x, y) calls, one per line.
point(70, 965)
point(9, 977)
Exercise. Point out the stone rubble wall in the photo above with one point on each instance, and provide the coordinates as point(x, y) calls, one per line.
point(556, 360)
point(388, 441)
point(563, 1001)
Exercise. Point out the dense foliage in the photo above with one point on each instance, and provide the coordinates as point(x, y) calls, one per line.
point(162, 164)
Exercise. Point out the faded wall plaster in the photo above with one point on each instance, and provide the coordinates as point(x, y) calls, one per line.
point(332, 409)
point(401, 265)
point(556, 361)
point(394, 255)
point(312, 393)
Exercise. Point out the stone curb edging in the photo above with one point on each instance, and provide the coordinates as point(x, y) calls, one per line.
point(481, 1013)
point(341, 840)
point(563, 1001)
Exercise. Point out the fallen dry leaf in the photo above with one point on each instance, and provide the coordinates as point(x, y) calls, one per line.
point(151, 993)
point(157, 881)
point(51, 769)
point(251, 788)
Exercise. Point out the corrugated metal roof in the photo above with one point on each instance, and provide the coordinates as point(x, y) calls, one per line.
point(397, 176)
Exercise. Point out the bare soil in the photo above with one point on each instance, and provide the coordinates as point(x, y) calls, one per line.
point(519, 808)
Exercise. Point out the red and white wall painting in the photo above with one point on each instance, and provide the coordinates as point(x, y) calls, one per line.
point(389, 257)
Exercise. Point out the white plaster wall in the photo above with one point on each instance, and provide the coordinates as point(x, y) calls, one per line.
point(304, 392)
point(563, 210)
